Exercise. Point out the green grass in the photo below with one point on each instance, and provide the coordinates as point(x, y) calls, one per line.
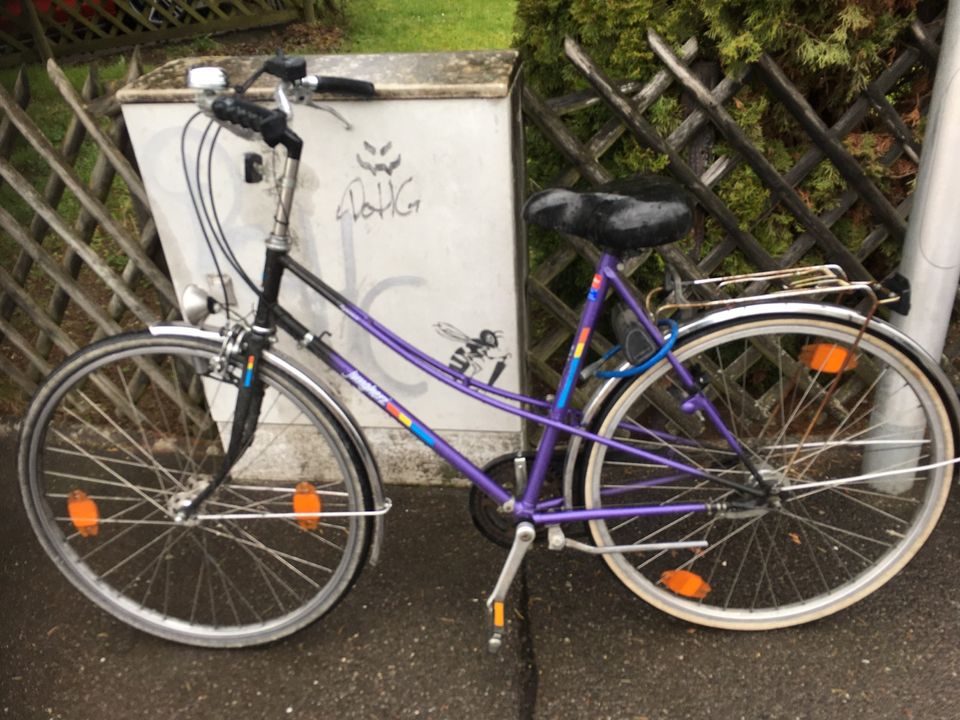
point(375, 26)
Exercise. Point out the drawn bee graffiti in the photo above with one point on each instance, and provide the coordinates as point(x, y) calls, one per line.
point(476, 352)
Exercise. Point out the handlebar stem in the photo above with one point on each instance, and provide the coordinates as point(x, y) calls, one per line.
point(280, 235)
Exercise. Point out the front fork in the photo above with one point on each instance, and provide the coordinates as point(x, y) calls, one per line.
point(245, 419)
point(250, 385)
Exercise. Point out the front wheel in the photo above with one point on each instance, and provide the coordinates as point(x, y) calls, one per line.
point(122, 433)
point(851, 432)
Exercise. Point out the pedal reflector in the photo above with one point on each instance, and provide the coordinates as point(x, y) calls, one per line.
point(83, 513)
point(499, 619)
point(686, 583)
point(827, 358)
point(307, 502)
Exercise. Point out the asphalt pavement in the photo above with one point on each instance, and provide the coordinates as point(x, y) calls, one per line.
point(408, 642)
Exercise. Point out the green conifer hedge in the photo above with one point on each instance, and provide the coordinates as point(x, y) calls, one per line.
point(830, 49)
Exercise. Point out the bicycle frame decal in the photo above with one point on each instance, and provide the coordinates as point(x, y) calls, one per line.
point(383, 400)
point(595, 288)
point(248, 375)
point(575, 366)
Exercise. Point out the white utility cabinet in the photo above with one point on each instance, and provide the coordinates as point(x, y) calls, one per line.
point(413, 214)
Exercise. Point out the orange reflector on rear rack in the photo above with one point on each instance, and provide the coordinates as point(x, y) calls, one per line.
point(827, 358)
point(83, 513)
point(686, 583)
point(307, 502)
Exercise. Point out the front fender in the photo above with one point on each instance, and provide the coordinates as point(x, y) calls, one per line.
point(326, 398)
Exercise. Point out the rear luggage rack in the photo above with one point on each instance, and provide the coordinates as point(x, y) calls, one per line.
point(814, 281)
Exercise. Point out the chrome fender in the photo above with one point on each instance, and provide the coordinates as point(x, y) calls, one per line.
point(877, 327)
point(325, 397)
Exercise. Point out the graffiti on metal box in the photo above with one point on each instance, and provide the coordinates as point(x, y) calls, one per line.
point(379, 192)
point(475, 354)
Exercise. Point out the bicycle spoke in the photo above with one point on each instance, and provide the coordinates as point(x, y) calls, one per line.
point(119, 536)
point(146, 453)
point(283, 558)
point(137, 552)
point(123, 480)
point(169, 543)
point(271, 578)
point(785, 571)
point(736, 576)
point(162, 558)
point(824, 527)
point(90, 480)
point(103, 458)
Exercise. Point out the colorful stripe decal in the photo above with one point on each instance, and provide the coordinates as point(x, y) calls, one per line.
point(381, 399)
point(395, 411)
point(410, 424)
point(574, 366)
point(582, 343)
point(248, 377)
point(595, 288)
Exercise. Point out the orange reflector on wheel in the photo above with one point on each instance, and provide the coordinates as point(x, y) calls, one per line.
point(827, 357)
point(83, 513)
point(686, 583)
point(308, 503)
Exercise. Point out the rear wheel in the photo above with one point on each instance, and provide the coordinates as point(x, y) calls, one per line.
point(131, 426)
point(848, 432)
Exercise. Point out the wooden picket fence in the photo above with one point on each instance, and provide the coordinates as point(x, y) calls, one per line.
point(31, 30)
point(83, 273)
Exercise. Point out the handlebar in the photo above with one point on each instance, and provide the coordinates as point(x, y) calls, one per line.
point(271, 123)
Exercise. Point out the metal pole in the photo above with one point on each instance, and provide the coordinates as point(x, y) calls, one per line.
point(931, 256)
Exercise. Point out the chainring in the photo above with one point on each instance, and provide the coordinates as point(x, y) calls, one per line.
point(499, 527)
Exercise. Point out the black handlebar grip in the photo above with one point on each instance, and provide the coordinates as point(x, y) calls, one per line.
point(271, 124)
point(344, 86)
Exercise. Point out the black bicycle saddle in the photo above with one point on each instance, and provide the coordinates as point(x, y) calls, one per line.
point(620, 217)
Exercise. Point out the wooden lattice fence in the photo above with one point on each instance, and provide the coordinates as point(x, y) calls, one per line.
point(40, 29)
point(627, 103)
point(84, 265)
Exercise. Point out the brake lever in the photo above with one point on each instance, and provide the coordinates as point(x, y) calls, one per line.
point(283, 102)
point(332, 111)
point(303, 93)
point(301, 96)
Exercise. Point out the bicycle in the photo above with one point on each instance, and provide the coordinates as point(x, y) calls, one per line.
point(768, 463)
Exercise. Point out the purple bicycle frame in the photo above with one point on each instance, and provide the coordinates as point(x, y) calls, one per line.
point(557, 420)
